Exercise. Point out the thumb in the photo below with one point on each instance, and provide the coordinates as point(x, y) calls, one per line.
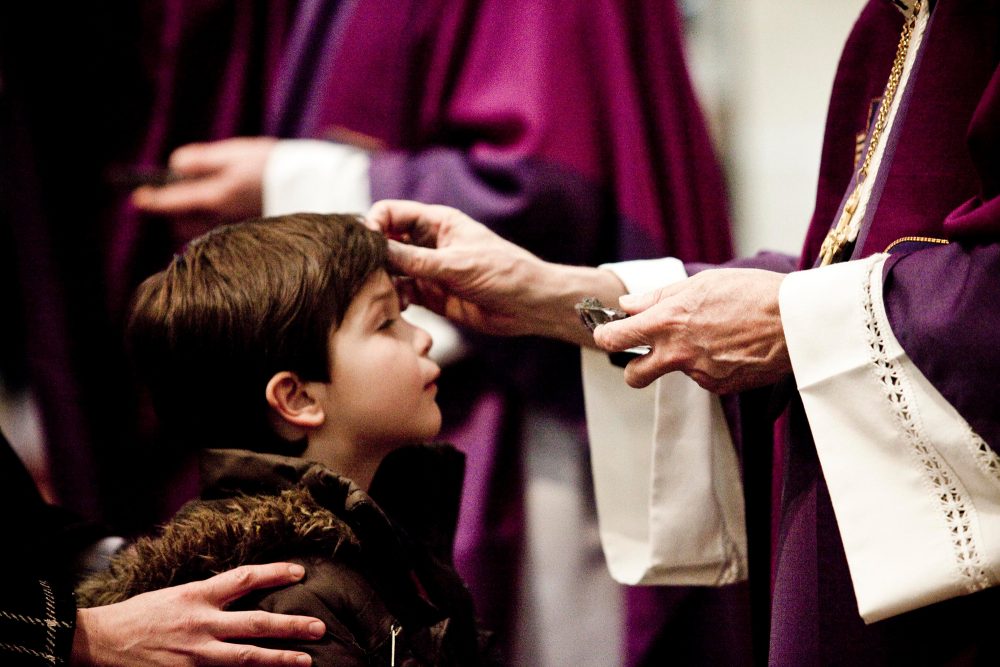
point(414, 261)
point(636, 303)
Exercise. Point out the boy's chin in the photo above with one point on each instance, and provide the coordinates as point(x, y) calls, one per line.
point(433, 425)
point(423, 428)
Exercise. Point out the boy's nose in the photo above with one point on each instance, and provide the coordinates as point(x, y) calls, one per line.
point(422, 341)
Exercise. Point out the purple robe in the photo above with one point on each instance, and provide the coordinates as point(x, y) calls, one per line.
point(86, 91)
point(940, 180)
point(72, 102)
point(568, 127)
point(211, 66)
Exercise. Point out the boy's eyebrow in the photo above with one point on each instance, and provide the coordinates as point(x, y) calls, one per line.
point(386, 294)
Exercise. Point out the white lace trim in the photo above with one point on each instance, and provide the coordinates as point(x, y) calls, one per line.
point(949, 498)
point(986, 458)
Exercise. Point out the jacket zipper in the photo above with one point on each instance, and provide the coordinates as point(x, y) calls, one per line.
point(394, 631)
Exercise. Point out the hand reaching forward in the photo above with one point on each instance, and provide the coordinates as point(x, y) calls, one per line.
point(721, 327)
point(464, 271)
point(185, 625)
point(221, 181)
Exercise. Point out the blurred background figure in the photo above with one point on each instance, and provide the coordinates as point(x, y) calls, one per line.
point(569, 127)
point(73, 99)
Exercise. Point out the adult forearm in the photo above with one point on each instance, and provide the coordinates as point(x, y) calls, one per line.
point(554, 314)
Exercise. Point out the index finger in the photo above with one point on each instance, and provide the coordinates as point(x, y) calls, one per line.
point(632, 332)
point(181, 197)
point(223, 588)
point(621, 334)
point(397, 218)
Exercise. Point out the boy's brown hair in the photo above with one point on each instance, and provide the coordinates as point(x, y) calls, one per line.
point(240, 304)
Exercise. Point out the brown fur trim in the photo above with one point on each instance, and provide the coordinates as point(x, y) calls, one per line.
point(208, 537)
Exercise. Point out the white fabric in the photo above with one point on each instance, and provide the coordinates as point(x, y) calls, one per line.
point(307, 175)
point(915, 491)
point(666, 476)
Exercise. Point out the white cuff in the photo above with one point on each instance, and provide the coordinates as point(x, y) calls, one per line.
point(666, 476)
point(915, 491)
point(307, 175)
point(644, 275)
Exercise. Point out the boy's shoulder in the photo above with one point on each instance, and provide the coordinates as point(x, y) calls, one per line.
point(210, 536)
point(265, 507)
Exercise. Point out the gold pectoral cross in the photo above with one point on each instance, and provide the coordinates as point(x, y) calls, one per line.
point(838, 237)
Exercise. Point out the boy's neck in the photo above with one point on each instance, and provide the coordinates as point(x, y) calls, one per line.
point(355, 462)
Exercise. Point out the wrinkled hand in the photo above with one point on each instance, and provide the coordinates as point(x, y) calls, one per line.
point(221, 181)
point(185, 625)
point(464, 271)
point(721, 327)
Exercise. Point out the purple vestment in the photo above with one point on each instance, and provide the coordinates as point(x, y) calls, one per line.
point(89, 91)
point(940, 180)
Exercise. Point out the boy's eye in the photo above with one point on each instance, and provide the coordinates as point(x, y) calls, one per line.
point(386, 324)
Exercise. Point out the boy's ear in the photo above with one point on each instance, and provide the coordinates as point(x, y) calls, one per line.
point(294, 407)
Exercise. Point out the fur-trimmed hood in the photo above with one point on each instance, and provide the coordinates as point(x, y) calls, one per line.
point(263, 508)
point(207, 537)
point(382, 586)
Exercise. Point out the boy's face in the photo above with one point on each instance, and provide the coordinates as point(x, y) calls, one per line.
point(382, 385)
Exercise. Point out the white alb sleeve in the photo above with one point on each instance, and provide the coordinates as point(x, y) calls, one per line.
point(666, 476)
point(308, 175)
point(915, 491)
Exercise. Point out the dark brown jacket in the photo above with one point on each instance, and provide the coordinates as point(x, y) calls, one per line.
point(368, 578)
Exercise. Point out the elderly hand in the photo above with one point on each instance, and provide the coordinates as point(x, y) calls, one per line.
point(464, 271)
point(185, 625)
point(219, 181)
point(721, 327)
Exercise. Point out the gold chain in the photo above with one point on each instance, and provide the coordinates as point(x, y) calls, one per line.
point(837, 238)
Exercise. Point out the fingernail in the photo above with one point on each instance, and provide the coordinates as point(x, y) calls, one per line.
point(296, 571)
point(303, 660)
point(316, 629)
point(626, 300)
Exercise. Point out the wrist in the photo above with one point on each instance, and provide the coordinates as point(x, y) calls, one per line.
point(81, 654)
point(566, 287)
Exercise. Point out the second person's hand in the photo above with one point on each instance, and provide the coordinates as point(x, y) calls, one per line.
point(721, 327)
point(220, 181)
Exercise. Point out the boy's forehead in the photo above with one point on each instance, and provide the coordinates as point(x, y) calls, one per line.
point(377, 288)
point(379, 285)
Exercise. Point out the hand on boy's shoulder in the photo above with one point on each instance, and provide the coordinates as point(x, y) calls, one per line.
point(187, 624)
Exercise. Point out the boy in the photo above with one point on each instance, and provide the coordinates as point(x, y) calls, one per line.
point(278, 338)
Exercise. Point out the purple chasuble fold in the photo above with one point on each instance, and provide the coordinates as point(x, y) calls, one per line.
point(940, 307)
